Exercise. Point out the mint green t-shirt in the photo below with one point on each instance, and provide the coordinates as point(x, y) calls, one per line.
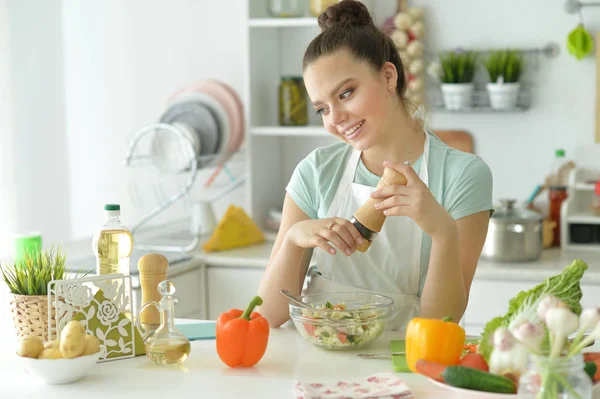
point(459, 181)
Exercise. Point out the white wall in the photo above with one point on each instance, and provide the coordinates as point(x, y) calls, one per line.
point(118, 61)
point(519, 147)
point(7, 169)
point(35, 172)
point(123, 59)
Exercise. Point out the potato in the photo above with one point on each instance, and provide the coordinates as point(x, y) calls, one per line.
point(31, 346)
point(50, 354)
point(52, 345)
point(72, 340)
point(92, 345)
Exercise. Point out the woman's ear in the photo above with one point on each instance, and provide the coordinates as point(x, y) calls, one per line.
point(390, 74)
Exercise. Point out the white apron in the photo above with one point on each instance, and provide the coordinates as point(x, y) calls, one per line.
point(391, 266)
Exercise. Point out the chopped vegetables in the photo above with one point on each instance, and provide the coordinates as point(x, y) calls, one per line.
point(335, 326)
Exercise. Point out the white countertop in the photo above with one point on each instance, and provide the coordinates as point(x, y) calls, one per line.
point(289, 357)
point(203, 375)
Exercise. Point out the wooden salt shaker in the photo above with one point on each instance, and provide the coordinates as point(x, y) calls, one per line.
point(367, 219)
point(153, 269)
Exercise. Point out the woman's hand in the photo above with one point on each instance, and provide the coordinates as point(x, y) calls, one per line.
point(415, 201)
point(320, 232)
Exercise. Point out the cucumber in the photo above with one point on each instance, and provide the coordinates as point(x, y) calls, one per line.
point(590, 369)
point(478, 380)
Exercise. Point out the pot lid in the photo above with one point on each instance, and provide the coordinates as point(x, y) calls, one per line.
point(509, 214)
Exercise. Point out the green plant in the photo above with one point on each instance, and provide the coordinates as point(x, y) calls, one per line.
point(505, 63)
point(458, 66)
point(32, 275)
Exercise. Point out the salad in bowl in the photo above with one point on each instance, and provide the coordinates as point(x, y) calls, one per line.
point(342, 320)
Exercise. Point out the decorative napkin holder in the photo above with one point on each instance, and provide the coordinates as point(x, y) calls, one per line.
point(103, 305)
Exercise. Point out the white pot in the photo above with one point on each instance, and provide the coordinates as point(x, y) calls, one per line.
point(503, 95)
point(458, 95)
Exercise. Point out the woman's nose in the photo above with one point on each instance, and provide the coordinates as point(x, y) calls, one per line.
point(338, 115)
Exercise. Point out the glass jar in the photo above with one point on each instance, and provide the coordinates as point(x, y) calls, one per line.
point(556, 197)
point(318, 6)
point(286, 8)
point(556, 378)
point(293, 109)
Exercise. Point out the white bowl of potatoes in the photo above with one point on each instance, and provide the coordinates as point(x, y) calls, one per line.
point(60, 361)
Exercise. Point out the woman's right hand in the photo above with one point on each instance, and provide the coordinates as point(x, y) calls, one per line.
point(320, 233)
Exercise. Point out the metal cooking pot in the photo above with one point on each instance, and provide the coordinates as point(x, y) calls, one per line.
point(514, 235)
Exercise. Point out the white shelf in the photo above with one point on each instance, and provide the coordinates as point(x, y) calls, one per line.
point(584, 218)
point(584, 186)
point(288, 131)
point(282, 22)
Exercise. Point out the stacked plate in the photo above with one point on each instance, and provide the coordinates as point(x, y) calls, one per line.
point(210, 116)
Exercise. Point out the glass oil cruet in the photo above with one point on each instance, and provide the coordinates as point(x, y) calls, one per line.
point(166, 345)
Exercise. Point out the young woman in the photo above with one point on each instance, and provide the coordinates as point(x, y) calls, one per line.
point(427, 252)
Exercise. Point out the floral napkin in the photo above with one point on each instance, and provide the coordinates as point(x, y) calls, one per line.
point(377, 386)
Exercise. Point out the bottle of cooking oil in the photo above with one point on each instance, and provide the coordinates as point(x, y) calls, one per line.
point(166, 345)
point(113, 243)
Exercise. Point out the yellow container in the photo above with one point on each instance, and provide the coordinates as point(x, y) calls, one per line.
point(318, 6)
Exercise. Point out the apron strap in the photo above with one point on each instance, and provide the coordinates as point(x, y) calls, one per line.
point(417, 232)
point(346, 182)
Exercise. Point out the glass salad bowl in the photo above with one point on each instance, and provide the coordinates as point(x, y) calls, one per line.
point(342, 320)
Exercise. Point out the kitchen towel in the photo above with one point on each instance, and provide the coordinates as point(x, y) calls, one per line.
point(384, 385)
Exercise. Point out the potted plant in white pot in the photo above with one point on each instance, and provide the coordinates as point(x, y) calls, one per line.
point(505, 68)
point(28, 281)
point(456, 71)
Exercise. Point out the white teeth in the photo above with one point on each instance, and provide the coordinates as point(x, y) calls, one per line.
point(351, 131)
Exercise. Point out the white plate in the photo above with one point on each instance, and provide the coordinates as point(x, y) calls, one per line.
point(215, 107)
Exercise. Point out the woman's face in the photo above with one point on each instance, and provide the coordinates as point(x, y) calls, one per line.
point(352, 99)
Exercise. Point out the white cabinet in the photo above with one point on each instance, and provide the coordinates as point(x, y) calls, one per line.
point(488, 299)
point(230, 287)
point(190, 292)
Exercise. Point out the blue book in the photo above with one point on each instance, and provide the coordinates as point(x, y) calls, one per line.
point(197, 331)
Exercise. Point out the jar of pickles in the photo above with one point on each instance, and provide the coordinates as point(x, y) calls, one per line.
point(293, 109)
point(318, 6)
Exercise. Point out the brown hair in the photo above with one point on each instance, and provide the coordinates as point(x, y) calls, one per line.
point(348, 25)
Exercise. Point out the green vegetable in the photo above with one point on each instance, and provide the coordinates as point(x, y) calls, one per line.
point(590, 369)
point(329, 305)
point(478, 380)
point(523, 307)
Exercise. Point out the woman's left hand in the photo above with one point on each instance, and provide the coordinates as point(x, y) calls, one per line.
point(415, 201)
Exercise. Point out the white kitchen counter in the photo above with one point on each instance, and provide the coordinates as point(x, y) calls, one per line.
point(203, 375)
point(257, 256)
point(552, 262)
point(288, 357)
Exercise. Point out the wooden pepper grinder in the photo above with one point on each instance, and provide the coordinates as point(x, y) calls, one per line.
point(153, 269)
point(367, 219)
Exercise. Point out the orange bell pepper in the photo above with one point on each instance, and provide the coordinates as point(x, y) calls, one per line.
point(441, 341)
point(242, 336)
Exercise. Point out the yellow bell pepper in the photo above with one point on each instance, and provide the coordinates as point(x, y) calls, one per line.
point(439, 341)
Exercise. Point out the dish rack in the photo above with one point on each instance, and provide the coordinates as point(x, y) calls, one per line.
point(580, 225)
point(193, 164)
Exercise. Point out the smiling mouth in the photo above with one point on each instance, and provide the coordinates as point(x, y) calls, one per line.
point(351, 131)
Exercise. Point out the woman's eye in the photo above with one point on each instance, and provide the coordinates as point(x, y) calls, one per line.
point(320, 111)
point(345, 94)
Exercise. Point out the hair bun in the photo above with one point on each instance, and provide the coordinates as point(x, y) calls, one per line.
point(347, 12)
